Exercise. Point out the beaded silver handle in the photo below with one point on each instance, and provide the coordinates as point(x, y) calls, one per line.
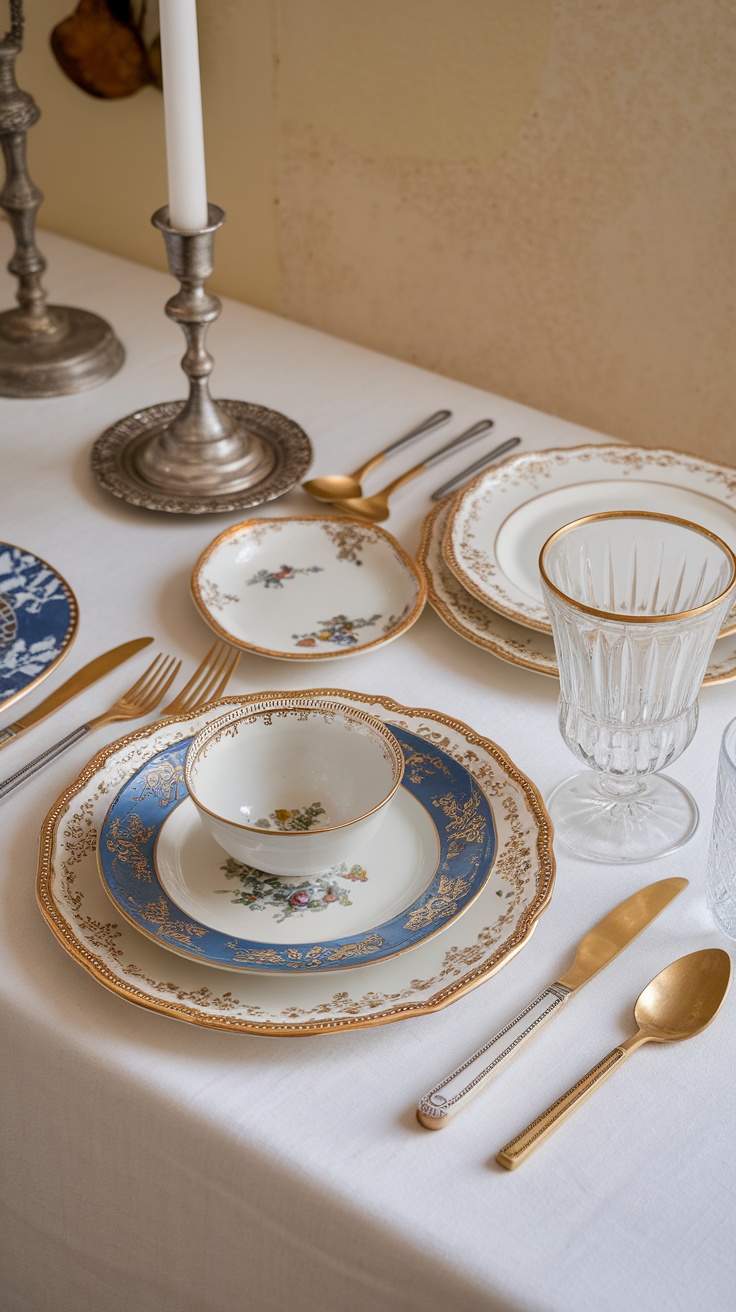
point(14, 780)
point(448, 1097)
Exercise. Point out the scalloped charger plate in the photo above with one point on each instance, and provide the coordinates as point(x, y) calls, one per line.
point(497, 924)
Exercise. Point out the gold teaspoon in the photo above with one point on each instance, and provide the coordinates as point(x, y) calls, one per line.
point(680, 1001)
point(333, 487)
point(376, 508)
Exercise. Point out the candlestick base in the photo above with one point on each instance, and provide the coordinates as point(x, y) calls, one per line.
point(223, 455)
point(199, 455)
point(68, 351)
point(45, 350)
point(120, 466)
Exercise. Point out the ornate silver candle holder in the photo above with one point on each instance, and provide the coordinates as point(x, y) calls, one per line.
point(45, 350)
point(201, 455)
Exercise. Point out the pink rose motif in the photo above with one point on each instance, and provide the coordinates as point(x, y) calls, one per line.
point(300, 898)
point(330, 895)
point(307, 642)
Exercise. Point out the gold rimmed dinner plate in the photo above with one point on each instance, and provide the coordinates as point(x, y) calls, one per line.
point(432, 975)
point(513, 643)
point(499, 524)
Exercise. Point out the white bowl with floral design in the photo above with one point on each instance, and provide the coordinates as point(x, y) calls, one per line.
point(293, 786)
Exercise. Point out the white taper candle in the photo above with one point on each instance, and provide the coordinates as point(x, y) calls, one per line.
point(183, 114)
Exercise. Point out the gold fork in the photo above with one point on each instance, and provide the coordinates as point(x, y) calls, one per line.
point(139, 700)
point(208, 682)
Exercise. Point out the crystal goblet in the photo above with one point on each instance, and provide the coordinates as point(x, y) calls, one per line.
point(636, 601)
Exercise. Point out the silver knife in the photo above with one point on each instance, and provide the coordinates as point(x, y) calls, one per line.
point(83, 678)
point(609, 937)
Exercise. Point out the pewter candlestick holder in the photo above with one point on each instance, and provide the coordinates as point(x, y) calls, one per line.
point(202, 455)
point(45, 350)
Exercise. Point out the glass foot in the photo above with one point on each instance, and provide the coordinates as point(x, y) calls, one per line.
point(620, 829)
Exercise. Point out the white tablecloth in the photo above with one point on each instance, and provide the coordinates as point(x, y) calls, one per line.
point(166, 1168)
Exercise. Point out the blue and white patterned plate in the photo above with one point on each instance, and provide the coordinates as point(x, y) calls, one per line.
point(426, 865)
point(38, 621)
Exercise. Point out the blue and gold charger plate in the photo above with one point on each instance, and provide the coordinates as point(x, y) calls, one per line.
point(426, 865)
point(38, 621)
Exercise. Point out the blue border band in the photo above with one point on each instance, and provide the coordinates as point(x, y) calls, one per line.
point(459, 810)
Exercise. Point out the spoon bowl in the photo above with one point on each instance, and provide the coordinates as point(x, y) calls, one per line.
point(682, 999)
point(374, 508)
point(335, 487)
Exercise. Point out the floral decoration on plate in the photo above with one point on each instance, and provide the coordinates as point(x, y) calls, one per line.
point(435, 974)
point(257, 890)
point(357, 588)
point(167, 879)
point(38, 621)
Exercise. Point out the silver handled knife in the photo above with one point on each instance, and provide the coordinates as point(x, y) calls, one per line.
point(83, 678)
point(609, 937)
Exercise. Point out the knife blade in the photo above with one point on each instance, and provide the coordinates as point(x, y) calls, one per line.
point(83, 678)
point(599, 946)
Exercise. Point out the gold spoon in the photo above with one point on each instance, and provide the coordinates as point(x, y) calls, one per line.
point(333, 487)
point(375, 508)
point(679, 1003)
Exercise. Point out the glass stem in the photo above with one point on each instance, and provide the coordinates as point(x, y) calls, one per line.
point(619, 787)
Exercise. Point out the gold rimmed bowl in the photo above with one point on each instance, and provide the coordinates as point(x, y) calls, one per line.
point(293, 786)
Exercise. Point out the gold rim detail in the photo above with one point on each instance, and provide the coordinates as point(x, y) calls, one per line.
point(620, 617)
point(541, 463)
point(259, 709)
point(98, 968)
point(67, 640)
point(372, 532)
point(717, 676)
point(446, 615)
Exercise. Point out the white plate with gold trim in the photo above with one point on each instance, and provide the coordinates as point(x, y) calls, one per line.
point(437, 972)
point(514, 643)
point(307, 589)
point(500, 523)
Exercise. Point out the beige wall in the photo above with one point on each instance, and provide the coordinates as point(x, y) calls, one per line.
point(536, 196)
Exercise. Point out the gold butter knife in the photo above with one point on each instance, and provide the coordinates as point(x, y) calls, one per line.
point(604, 942)
point(83, 678)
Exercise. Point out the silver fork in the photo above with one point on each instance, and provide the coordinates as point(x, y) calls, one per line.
point(208, 682)
point(139, 700)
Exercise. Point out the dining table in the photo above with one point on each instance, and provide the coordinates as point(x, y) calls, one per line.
point(162, 1166)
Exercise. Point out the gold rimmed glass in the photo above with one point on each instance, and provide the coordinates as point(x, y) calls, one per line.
point(636, 601)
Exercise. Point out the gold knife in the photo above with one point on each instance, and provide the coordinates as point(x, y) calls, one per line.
point(83, 678)
point(604, 942)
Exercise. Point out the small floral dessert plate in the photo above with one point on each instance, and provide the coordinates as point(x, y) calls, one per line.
point(500, 523)
point(307, 589)
point(424, 867)
point(514, 643)
point(38, 621)
point(438, 971)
